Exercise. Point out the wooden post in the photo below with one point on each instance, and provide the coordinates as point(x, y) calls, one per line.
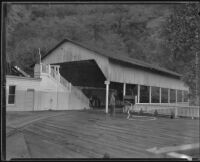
point(107, 94)
point(176, 110)
point(58, 73)
point(182, 96)
point(40, 65)
point(49, 69)
point(124, 89)
point(160, 95)
point(138, 93)
point(149, 94)
point(168, 95)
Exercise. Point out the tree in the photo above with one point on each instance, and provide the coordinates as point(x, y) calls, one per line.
point(180, 33)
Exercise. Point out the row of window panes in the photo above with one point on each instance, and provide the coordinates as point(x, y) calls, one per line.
point(155, 91)
point(155, 97)
point(144, 94)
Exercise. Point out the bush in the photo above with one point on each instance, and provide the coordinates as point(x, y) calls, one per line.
point(172, 116)
point(141, 112)
point(106, 155)
point(155, 113)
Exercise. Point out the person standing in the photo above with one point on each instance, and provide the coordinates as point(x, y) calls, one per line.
point(112, 104)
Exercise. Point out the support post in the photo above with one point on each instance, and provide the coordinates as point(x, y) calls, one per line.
point(124, 89)
point(176, 96)
point(138, 94)
point(107, 94)
point(168, 95)
point(49, 66)
point(176, 110)
point(149, 94)
point(182, 96)
point(160, 97)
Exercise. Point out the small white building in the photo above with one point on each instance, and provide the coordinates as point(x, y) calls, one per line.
point(46, 91)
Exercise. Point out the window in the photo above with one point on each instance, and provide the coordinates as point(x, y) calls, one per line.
point(11, 95)
point(186, 96)
point(179, 96)
point(164, 95)
point(155, 94)
point(144, 94)
point(172, 95)
point(131, 89)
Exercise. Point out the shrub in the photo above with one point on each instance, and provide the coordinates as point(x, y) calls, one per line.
point(172, 116)
point(155, 113)
point(141, 112)
point(106, 155)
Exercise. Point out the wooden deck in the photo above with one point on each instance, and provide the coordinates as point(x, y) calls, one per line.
point(91, 134)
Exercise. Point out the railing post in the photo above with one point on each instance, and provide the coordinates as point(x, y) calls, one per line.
point(69, 87)
point(49, 71)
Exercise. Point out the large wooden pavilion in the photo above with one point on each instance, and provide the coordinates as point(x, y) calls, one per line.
point(91, 68)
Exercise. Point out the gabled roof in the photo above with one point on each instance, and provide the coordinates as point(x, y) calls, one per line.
point(117, 57)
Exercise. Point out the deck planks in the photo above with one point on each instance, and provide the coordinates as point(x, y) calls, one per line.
point(92, 134)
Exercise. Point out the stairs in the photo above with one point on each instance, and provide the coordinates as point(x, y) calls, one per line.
point(70, 97)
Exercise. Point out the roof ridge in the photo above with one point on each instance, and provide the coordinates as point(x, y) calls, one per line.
point(114, 56)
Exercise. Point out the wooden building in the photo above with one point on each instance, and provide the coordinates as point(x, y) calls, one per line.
point(47, 90)
point(90, 68)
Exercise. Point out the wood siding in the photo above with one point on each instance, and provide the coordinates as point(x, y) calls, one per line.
point(122, 74)
point(48, 94)
point(70, 52)
point(112, 71)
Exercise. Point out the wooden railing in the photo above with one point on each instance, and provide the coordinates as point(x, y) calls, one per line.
point(167, 109)
point(64, 82)
point(188, 111)
point(47, 69)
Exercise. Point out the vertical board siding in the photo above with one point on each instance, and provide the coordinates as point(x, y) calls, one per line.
point(124, 74)
point(112, 71)
point(68, 52)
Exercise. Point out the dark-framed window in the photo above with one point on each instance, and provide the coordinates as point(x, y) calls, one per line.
point(155, 94)
point(164, 95)
point(172, 96)
point(131, 89)
point(179, 96)
point(144, 94)
point(186, 96)
point(11, 94)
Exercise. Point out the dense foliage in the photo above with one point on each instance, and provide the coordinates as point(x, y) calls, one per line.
point(182, 39)
point(159, 34)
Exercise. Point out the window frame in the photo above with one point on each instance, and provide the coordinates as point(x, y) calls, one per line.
point(8, 94)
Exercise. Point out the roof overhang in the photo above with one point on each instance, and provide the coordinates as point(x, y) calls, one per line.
point(119, 58)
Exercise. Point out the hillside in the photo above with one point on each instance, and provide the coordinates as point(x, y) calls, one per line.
point(161, 34)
